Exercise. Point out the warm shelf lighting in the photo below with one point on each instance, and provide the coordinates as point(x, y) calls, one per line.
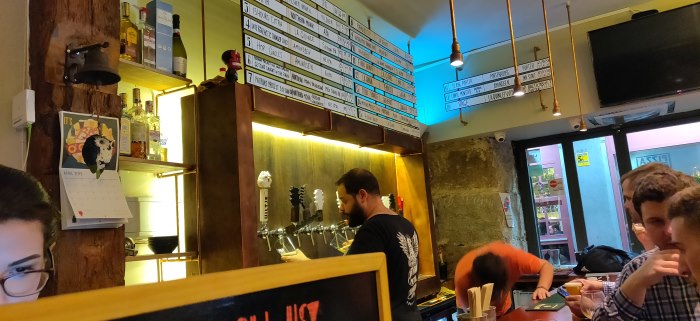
point(518, 88)
point(556, 110)
point(456, 58)
point(283, 133)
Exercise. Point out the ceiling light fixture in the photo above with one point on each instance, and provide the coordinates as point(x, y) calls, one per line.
point(556, 110)
point(583, 127)
point(518, 88)
point(456, 59)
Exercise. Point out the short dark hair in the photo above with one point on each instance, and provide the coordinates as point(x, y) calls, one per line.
point(636, 174)
point(23, 198)
point(490, 268)
point(356, 179)
point(686, 204)
point(658, 187)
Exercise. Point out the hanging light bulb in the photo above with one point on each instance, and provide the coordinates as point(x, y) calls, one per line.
point(518, 88)
point(556, 110)
point(456, 58)
point(583, 127)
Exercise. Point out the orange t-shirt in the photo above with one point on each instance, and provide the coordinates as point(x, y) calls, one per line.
point(518, 262)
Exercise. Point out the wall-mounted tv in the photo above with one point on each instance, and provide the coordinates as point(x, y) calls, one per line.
point(652, 56)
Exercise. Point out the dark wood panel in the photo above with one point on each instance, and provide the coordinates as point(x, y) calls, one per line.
point(191, 214)
point(85, 259)
point(280, 112)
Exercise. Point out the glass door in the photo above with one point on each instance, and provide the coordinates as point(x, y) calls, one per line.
point(550, 198)
point(599, 185)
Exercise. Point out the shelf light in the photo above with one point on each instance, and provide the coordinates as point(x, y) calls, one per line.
point(283, 133)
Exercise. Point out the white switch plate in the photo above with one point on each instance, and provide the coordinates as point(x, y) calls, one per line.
point(23, 109)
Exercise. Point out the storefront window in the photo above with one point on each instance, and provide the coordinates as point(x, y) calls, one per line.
point(675, 146)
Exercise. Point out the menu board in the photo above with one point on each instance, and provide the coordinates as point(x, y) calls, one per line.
point(314, 52)
point(348, 288)
point(496, 85)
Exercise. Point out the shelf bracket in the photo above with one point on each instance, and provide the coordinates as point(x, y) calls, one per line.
point(322, 130)
point(176, 173)
point(379, 143)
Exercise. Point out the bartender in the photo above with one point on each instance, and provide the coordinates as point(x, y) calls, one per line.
point(501, 264)
point(382, 231)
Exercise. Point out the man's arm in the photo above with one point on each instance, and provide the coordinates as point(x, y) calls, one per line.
point(546, 273)
point(659, 264)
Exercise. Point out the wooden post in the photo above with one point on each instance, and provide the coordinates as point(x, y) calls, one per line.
point(85, 259)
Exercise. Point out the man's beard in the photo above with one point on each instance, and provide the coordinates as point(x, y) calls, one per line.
point(356, 217)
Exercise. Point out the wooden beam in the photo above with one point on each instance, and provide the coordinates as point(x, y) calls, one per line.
point(85, 259)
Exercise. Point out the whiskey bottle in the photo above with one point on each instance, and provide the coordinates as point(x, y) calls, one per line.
point(128, 36)
point(153, 132)
point(124, 128)
point(139, 130)
point(147, 40)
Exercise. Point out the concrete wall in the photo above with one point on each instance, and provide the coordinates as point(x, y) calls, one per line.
point(466, 176)
point(13, 30)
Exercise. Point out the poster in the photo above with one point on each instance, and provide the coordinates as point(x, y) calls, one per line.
point(506, 202)
point(91, 192)
point(582, 159)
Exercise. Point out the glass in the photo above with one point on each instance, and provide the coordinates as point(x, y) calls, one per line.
point(285, 245)
point(25, 283)
point(548, 187)
point(590, 300)
point(603, 212)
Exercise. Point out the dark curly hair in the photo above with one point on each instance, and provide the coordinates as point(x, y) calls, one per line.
point(658, 187)
point(490, 268)
point(23, 198)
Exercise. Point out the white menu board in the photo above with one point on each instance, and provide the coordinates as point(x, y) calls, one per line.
point(314, 52)
point(496, 85)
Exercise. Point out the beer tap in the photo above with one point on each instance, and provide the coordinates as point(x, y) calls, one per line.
point(318, 203)
point(264, 183)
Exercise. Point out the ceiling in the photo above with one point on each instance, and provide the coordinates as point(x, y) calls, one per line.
point(480, 23)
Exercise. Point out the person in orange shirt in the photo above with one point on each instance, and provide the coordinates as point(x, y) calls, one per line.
point(501, 264)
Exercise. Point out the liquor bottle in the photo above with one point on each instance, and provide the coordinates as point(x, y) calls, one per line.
point(139, 133)
point(147, 39)
point(124, 128)
point(128, 36)
point(153, 132)
point(179, 53)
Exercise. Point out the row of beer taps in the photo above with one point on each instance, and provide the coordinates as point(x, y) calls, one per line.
point(303, 223)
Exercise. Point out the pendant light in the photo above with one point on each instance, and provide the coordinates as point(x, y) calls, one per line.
point(556, 110)
point(583, 127)
point(456, 59)
point(518, 88)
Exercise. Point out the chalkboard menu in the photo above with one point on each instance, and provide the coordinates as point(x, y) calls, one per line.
point(345, 288)
point(316, 53)
point(496, 85)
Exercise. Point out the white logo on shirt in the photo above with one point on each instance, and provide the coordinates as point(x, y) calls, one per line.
point(409, 245)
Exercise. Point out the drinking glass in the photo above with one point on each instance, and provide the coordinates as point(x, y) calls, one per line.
point(285, 245)
point(590, 300)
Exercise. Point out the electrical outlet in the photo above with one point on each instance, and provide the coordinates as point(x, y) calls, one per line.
point(23, 109)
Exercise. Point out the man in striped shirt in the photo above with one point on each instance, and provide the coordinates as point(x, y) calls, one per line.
point(651, 286)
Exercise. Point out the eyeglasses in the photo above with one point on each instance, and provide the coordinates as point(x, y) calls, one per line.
point(25, 283)
point(28, 282)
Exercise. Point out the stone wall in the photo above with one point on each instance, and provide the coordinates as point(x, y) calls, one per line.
point(466, 176)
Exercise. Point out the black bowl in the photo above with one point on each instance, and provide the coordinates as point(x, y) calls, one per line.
point(162, 244)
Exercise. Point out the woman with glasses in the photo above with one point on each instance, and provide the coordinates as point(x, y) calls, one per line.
point(28, 225)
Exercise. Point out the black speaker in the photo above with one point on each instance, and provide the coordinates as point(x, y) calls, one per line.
point(643, 14)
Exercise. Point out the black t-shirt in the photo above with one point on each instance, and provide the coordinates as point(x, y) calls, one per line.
point(397, 238)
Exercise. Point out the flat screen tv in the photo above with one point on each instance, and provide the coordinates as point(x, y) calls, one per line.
point(652, 56)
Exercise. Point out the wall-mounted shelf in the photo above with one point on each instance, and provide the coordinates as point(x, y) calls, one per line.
point(185, 255)
point(280, 112)
point(151, 166)
point(148, 77)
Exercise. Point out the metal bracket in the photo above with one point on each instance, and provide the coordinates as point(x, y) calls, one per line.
point(176, 173)
point(535, 49)
point(322, 130)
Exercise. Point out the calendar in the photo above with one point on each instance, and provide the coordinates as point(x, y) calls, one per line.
point(91, 197)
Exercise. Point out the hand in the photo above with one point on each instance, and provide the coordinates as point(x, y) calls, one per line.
point(294, 256)
point(574, 304)
point(660, 264)
point(540, 294)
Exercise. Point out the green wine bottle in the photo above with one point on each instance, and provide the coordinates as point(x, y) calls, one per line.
point(179, 53)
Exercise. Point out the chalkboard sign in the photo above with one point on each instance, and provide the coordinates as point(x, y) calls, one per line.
point(338, 289)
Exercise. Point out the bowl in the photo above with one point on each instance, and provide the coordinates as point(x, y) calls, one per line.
point(162, 244)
